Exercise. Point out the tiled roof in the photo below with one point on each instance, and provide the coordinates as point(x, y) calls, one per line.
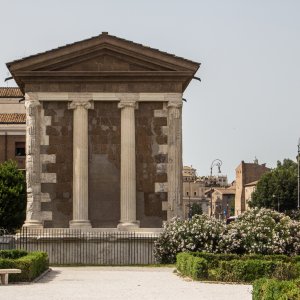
point(101, 36)
point(12, 118)
point(10, 92)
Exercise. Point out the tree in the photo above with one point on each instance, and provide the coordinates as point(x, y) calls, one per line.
point(277, 189)
point(12, 196)
point(195, 209)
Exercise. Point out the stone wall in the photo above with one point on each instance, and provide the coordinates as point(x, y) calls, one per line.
point(56, 164)
point(104, 164)
point(151, 163)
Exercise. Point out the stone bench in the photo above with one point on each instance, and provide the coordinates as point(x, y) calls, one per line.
point(4, 274)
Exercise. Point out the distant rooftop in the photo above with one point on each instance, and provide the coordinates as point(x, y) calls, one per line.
point(12, 118)
point(10, 92)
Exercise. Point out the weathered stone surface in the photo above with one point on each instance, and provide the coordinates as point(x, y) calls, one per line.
point(104, 164)
point(60, 134)
point(151, 160)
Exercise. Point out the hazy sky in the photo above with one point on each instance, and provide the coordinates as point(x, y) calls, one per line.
point(248, 102)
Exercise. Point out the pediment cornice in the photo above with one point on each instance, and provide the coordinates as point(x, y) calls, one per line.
point(102, 58)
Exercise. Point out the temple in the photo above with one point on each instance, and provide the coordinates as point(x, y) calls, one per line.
point(103, 134)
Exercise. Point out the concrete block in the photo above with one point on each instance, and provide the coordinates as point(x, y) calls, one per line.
point(48, 177)
point(48, 158)
point(161, 168)
point(162, 149)
point(158, 113)
point(45, 197)
point(161, 187)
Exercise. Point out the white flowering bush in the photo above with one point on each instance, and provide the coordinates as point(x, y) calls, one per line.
point(201, 233)
point(261, 231)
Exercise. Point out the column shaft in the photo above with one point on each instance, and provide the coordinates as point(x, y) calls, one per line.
point(80, 164)
point(175, 204)
point(128, 169)
point(33, 172)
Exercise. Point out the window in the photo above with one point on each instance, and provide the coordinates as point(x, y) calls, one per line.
point(20, 148)
point(187, 193)
point(195, 193)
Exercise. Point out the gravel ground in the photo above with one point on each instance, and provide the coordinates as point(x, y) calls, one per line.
point(116, 283)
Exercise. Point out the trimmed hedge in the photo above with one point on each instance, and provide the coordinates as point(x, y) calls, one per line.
point(234, 268)
point(192, 266)
point(271, 289)
point(252, 269)
point(32, 264)
point(12, 254)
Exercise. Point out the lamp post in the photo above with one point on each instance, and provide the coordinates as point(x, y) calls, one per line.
point(215, 163)
point(298, 204)
point(190, 208)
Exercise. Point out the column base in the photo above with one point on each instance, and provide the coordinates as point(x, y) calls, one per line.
point(128, 226)
point(34, 224)
point(80, 224)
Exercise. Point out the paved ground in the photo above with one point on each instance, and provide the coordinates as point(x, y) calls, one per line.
point(116, 283)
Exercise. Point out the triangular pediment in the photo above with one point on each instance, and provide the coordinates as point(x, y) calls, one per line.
point(101, 60)
point(101, 57)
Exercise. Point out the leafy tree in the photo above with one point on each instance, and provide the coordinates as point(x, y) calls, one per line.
point(195, 209)
point(277, 189)
point(12, 196)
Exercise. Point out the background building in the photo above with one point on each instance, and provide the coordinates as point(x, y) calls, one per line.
point(193, 191)
point(215, 180)
point(246, 173)
point(223, 202)
point(12, 126)
point(249, 189)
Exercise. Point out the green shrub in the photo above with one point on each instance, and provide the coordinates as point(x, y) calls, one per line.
point(233, 268)
point(274, 257)
point(296, 258)
point(32, 265)
point(271, 289)
point(250, 270)
point(12, 254)
point(214, 259)
point(181, 262)
point(192, 266)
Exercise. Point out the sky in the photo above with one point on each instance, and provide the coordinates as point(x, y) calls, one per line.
point(248, 102)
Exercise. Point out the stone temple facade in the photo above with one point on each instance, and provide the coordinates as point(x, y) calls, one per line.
point(103, 134)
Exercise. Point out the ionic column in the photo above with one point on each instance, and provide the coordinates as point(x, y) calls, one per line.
point(128, 169)
point(33, 172)
point(175, 201)
point(80, 164)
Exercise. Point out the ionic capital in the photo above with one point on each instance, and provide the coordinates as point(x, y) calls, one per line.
point(31, 100)
point(174, 104)
point(32, 103)
point(128, 103)
point(84, 104)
